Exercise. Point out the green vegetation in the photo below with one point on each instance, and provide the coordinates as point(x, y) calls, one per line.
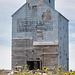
point(46, 71)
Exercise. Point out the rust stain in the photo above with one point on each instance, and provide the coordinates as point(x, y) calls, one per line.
point(39, 33)
point(46, 16)
point(30, 4)
point(48, 33)
point(39, 2)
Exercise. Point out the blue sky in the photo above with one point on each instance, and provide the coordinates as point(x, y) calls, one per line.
point(8, 7)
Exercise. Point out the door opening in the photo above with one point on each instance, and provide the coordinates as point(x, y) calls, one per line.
point(31, 65)
point(34, 65)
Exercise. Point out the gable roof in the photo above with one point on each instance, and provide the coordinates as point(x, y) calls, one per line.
point(18, 9)
point(47, 4)
point(63, 16)
point(58, 12)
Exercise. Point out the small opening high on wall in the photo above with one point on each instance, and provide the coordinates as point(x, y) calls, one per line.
point(49, 1)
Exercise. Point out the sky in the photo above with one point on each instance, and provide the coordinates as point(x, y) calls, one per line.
point(8, 7)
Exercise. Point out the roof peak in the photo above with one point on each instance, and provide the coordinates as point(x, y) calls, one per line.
point(49, 2)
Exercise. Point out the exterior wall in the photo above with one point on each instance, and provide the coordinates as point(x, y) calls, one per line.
point(63, 42)
point(52, 3)
point(19, 51)
point(39, 33)
point(48, 54)
point(23, 51)
point(40, 23)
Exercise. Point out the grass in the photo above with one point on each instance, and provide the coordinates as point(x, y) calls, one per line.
point(56, 71)
point(22, 73)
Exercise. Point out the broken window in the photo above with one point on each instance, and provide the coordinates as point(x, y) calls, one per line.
point(38, 58)
point(35, 7)
point(32, 50)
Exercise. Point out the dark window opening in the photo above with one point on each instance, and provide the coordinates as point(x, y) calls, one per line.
point(35, 7)
point(33, 65)
point(38, 58)
point(32, 50)
point(49, 1)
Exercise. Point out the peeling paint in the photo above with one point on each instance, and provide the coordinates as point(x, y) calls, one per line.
point(39, 2)
point(46, 16)
point(30, 4)
point(39, 33)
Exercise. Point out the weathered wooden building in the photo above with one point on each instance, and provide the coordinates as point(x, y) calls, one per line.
point(39, 35)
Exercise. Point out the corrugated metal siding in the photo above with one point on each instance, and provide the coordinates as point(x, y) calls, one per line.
point(63, 42)
point(34, 19)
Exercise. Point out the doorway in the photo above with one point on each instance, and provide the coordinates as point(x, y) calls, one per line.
point(34, 65)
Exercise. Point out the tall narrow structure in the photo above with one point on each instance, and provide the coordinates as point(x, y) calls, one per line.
point(39, 36)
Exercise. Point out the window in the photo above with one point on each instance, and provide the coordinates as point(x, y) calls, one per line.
point(32, 50)
point(49, 1)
